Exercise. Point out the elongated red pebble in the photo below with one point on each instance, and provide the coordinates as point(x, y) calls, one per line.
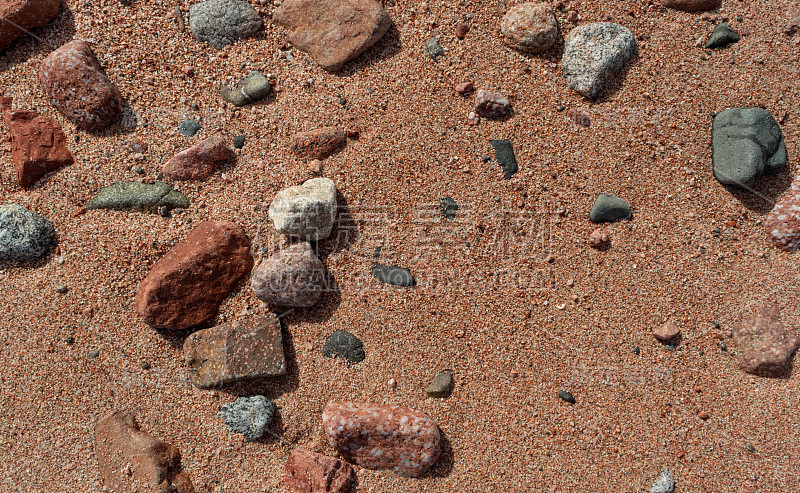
point(783, 223)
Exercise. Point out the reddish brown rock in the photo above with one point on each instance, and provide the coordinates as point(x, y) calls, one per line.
point(461, 30)
point(335, 31)
point(783, 222)
point(19, 16)
point(318, 143)
point(237, 351)
point(377, 436)
point(38, 145)
point(667, 332)
point(792, 21)
point(465, 88)
point(187, 285)
point(767, 346)
point(490, 104)
point(198, 161)
point(74, 82)
point(291, 277)
point(580, 117)
point(132, 461)
point(692, 5)
point(599, 238)
point(530, 27)
point(310, 472)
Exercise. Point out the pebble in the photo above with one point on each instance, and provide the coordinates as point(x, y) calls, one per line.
point(135, 196)
point(722, 36)
point(746, 143)
point(310, 472)
point(318, 143)
point(783, 222)
point(188, 284)
point(61, 289)
point(465, 88)
point(504, 154)
point(251, 89)
point(238, 141)
point(766, 344)
point(594, 54)
point(667, 332)
point(307, 211)
point(248, 415)
point(223, 22)
point(189, 128)
point(376, 436)
point(792, 23)
point(449, 208)
point(664, 483)
point(24, 235)
point(20, 16)
point(198, 161)
point(566, 396)
point(530, 27)
point(392, 274)
point(608, 209)
point(335, 31)
point(461, 30)
point(293, 277)
point(490, 104)
point(441, 386)
point(691, 5)
point(343, 344)
point(580, 117)
point(93, 354)
point(599, 238)
point(434, 48)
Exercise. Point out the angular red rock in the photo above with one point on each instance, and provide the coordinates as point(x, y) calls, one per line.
point(783, 222)
point(465, 88)
point(17, 17)
point(132, 461)
point(74, 82)
point(187, 285)
point(667, 332)
point(38, 145)
point(490, 104)
point(318, 143)
point(378, 436)
point(767, 346)
point(310, 472)
point(599, 238)
point(461, 30)
point(198, 161)
point(692, 5)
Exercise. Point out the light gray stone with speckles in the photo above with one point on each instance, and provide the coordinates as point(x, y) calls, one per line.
point(664, 483)
point(593, 54)
point(24, 235)
point(223, 22)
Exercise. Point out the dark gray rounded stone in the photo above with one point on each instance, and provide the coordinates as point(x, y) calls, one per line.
point(434, 48)
point(441, 385)
point(24, 235)
point(449, 207)
point(343, 344)
point(249, 415)
point(566, 396)
point(254, 87)
point(722, 36)
point(223, 22)
point(607, 209)
point(392, 274)
point(189, 128)
point(238, 141)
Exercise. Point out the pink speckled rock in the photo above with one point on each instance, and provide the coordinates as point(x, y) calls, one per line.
point(490, 104)
point(783, 223)
point(310, 472)
point(74, 82)
point(199, 161)
point(377, 436)
point(767, 346)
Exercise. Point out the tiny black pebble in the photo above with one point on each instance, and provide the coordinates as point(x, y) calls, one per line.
point(164, 211)
point(195, 107)
point(146, 366)
point(750, 448)
point(716, 324)
point(740, 18)
point(61, 289)
point(486, 159)
point(723, 346)
point(77, 138)
point(566, 396)
point(70, 340)
point(138, 170)
point(238, 141)
point(342, 101)
point(265, 250)
point(669, 347)
point(560, 108)
point(637, 351)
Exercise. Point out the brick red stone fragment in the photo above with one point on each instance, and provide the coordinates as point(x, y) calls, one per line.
point(132, 461)
point(377, 436)
point(767, 346)
point(318, 143)
point(667, 332)
point(19, 16)
point(38, 145)
point(783, 222)
point(692, 5)
point(599, 238)
point(465, 88)
point(187, 285)
point(233, 352)
point(490, 104)
point(461, 30)
point(580, 117)
point(198, 161)
point(74, 82)
point(310, 472)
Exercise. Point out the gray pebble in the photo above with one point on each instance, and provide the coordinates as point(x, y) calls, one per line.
point(664, 483)
point(238, 141)
point(135, 196)
point(223, 22)
point(594, 54)
point(93, 354)
point(392, 274)
point(608, 208)
point(61, 289)
point(441, 385)
point(343, 344)
point(722, 36)
point(566, 396)
point(449, 207)
point(434, 48)
point(249, 415)
point(24, 235)
point(504, 154)
point(189, 128)
point(254, 87)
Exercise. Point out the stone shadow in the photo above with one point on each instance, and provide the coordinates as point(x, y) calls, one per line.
point(768, 189)
point(444, 465)
point(40, 40)
point(387, 47)
point(125, 124)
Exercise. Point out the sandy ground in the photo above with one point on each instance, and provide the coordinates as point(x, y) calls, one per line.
point(513, 327)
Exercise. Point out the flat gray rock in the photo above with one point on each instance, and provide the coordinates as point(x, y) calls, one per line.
point(664, 483)
point(24, 235)
point(135, 196)
point(594, 54)
point(746, 142)
point(249, 416)
point(343, 344)
point(392, 274)
point(608, 208)
point(223, 22)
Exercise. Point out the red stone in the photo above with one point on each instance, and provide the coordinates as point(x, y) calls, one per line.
point(132, 461)
point(792, 20)
point(767, 346)
point(38, 145)
point(490, 104)
point(74, 82)
point(599, 238)
point(461, 30)
point(310, 472)
point(318, 143)
point(187, 285)
point(17, 17)
point(465, 88)
point(783, 222)
point(579, 116)
point(199, 161)
point(667, 332)
point(692, 5)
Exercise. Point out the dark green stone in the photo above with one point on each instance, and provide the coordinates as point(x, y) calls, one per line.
point(135, 196)
point(504, 154)
point(343, 344)
point(392, 274)
point(722, 36)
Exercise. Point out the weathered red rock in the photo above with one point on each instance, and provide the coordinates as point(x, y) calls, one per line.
point(132, 461)
point(74, 82)
point(318, 143)
point(198, 161)
point(490, 104)
point(767, 346)
point(792, 24)
point(241, 350)
point(465, 87)
point(378, 436)
point(333, 32)
point(38, 145)
point(187, 285)
point(461, 30)
point(692, 5)
point(310, 472)
point(783, 222)
point(19, 16)
point(599, 238)
point(580, 117)
point(667, 332)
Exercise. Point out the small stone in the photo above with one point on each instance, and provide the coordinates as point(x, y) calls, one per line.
point(319, 143)
point(70, 340)
point(377, 436)
point(135, 196)
point(703, 415)
point(120, 444)
point(392, 383)
point(792, 24)
point(198, 161)
point(315, 166)
point(392, 274)
point(746, 143)
point(767, 346)
point(76, 85)
point(238, 141)
point(310, 472)
point(18, 17)
point(461, 30)
point(465, 88)
point(335, 31)
point(343, 344)
point(560, 107)
point(138, 170)
point(243, 350)
point(594, 54)
point(608, 209)
point(722, 36)
point(664, 483)
point(189, 128)
point(473, 119)
point(504, 154)
point(253, 88)
point(93, 354)
point(187, 285)
point(292, 277)
point(691, 5)
point(566, 396)
point(146, 366)
point(449, 208)
point(599, 238)
point(164, 212)
point(307, 212)
point(434, 48)
point(750, 448)
point(490, 104)
point(667, 332)
point(530, 27)
point(580, 117)
point(783, 222)
point(637, 351)
point(24, 235)
point(61, 289)
point(441, 386)
point(249, 416)
point(223, 22)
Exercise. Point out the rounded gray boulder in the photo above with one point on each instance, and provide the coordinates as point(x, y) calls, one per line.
point(24, 235)
point(223, 22)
